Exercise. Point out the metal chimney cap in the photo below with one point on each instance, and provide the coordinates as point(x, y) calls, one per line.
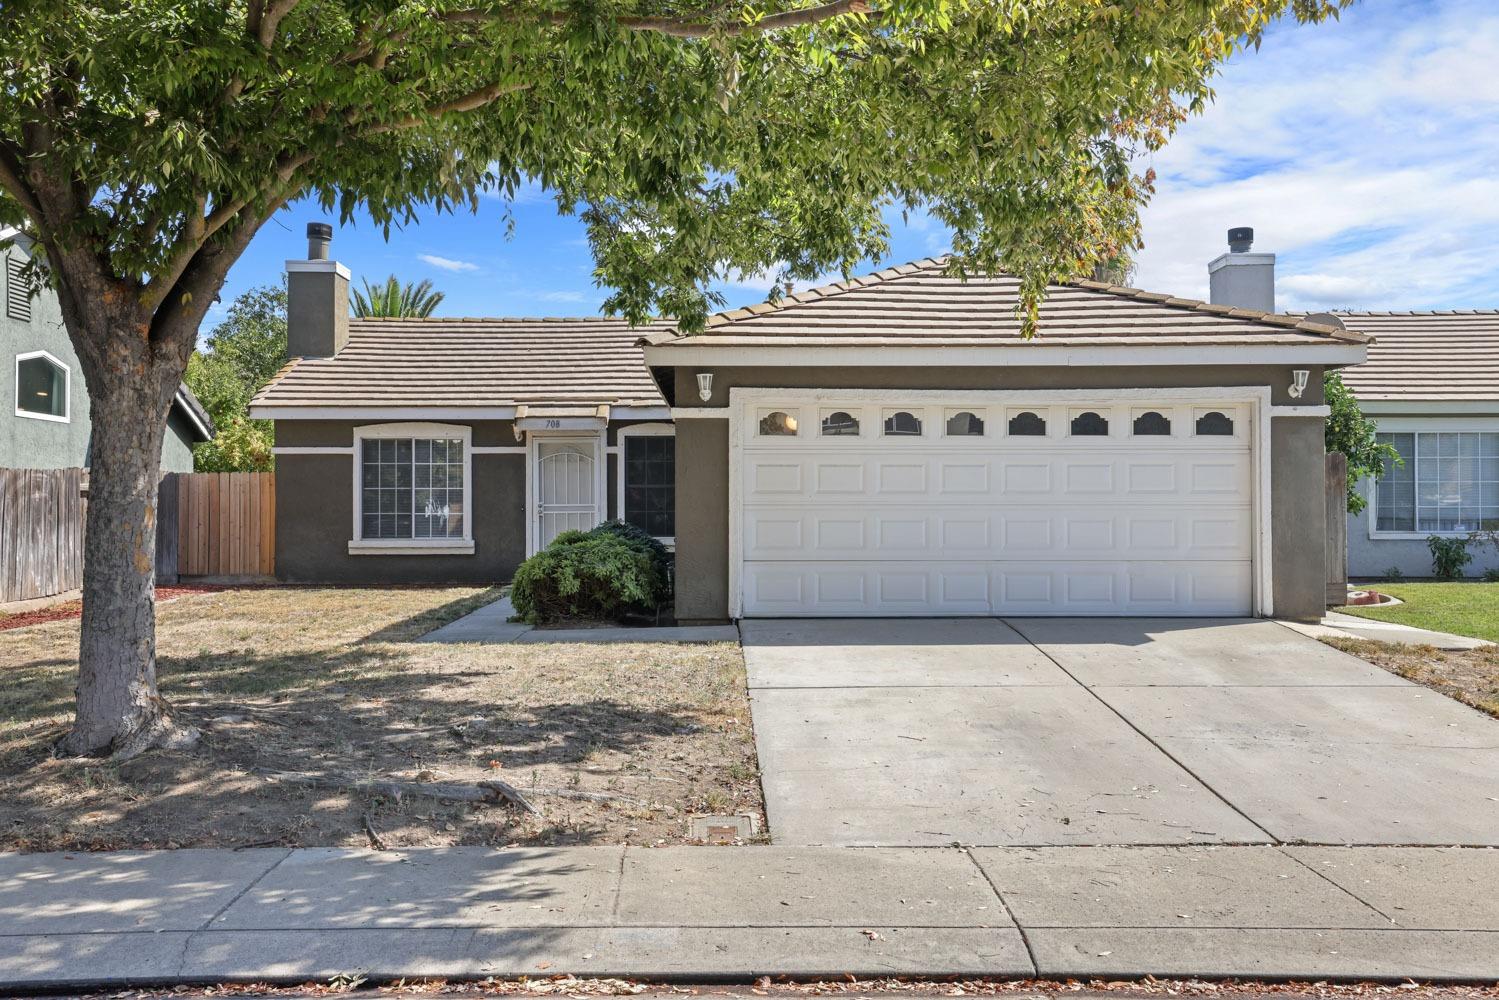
point(319, 231)
point(1240, 239)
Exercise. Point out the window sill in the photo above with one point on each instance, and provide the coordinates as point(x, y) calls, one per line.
point(29, 415)
point(410, 547)
point(1414, 536)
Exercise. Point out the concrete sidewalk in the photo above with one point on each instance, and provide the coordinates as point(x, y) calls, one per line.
point(93, 920)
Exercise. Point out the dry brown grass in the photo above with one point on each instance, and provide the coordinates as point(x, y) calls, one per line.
point(1471, 675)
point(329, 680)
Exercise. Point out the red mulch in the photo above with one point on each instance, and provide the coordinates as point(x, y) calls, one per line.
point(72, 609)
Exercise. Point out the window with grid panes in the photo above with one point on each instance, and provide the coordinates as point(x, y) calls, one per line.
point(1448, 482)
point(650, 484)
point(411, 488)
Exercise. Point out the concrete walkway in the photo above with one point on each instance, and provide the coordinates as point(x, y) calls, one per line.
point(491, 625)
point(102, 920)
point(1337, 625)
point(1056, 731)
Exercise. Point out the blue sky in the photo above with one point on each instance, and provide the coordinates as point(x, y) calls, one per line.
point(1365, 153)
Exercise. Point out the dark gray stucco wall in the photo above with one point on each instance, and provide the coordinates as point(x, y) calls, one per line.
point(315, 510)
point(1298, 535)
point(702, 573)
point(1298, 517)
point(177, 444)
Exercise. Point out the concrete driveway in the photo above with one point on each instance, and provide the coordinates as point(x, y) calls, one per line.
point(1041, 732)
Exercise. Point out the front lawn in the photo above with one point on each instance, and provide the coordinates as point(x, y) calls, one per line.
point(328, 682)
point(1470, 609)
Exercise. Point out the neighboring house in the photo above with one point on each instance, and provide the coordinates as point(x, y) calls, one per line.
point(1432, 385)
point(888, 446)
point(44, 407)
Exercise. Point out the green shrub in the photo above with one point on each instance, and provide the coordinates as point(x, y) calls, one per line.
point(639, 536)
point(1448, 556)
point(1394, 574)
point(600, 574)
point(1491, 575)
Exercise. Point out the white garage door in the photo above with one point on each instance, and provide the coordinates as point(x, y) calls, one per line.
point(891, 508)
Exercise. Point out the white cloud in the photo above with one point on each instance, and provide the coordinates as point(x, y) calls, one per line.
point(446, 263)
point(563, 297)
point(1364, 153)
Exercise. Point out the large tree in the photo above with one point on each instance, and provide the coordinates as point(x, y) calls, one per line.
point(243, 353)
point(144, 142)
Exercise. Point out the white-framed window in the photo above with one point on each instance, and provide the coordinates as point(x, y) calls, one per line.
point(964, 423)
point(647, 496)
point(412, 485)
point(1448, 483)
point(840, 423)
point(42, 387)
point(1026, 423)
point(778, 423)
point(902, 423)
point(1088, 423)
point(1151, 423)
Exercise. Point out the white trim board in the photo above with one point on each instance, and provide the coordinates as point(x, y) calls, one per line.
point(273, 412)
point(741, 400)
point(700, 413)
point(67, 388)
point(1433, 408)
point(1300, 411)
point(1012, 355)
point(311, 450)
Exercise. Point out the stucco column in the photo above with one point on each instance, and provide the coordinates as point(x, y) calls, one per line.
point(1298, 529)
point(702, 567)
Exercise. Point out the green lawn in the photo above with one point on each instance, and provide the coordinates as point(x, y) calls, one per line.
point(1460, 608)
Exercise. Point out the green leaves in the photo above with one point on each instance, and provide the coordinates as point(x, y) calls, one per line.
point(1352, 433)
point(692, 141)
point(244, 352)
point(392, 297)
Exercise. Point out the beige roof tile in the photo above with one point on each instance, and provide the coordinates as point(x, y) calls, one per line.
point(474, 362)
point(1446, 356)
point(919, 303)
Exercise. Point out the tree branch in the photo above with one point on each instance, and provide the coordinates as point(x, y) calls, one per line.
point(12, 179)
point(467, 102)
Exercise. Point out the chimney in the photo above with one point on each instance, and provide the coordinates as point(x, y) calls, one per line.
point(317, 299)
point(1241, 278)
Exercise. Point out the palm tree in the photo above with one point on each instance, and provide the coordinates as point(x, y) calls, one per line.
point(392, 297)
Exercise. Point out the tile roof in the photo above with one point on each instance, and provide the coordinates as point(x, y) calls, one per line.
point(918, 303)
point(473, 362)
point(1427, 356)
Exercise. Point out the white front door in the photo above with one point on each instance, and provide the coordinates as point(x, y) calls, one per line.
point(889, 506)
point(567, 488)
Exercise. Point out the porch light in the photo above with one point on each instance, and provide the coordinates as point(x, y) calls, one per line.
point(705, 386)
point(1298, 382)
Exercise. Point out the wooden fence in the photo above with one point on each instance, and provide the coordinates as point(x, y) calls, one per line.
point(226, 525)
point(41, 532)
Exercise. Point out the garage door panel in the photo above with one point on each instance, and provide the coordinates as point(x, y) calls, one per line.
point(1075, 531)
point(992, 524)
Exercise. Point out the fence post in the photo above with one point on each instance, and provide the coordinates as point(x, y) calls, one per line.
point(1337, 529)
point(167, 528)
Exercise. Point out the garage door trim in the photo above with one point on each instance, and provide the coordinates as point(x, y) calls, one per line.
point(744, 403)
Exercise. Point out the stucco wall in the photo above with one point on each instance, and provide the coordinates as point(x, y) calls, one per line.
point(1298, 535)
point(1373, 558)
point(26, 442)
point(177, 444)
point(315, 510)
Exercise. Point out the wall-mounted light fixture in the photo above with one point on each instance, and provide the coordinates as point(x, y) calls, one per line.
point(1298, 382)
point(705, 386)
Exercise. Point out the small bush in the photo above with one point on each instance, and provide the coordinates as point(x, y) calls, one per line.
point(1394, 574)
point(1448, 556)
point(600, 574)
point(639, 536)
point(1491, 575)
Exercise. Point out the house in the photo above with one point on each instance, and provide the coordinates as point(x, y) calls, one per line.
point(1432, 385)
point(889, 445)
point(44, 405)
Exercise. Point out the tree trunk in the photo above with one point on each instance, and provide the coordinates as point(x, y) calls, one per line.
point(119, 712)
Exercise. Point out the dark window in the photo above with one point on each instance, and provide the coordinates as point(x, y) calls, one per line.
point(41, 387)
point(1089, 424)
point(840, 424)
point(902, 424)
point(651, 484)
point(1151, 424)
point(778, 424)
point(965, 424)
point(1027, 424)
point(1215, 424)
point(17, 290)
point(411, 488)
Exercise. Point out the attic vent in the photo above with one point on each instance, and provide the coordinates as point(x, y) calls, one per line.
point(17, 290)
